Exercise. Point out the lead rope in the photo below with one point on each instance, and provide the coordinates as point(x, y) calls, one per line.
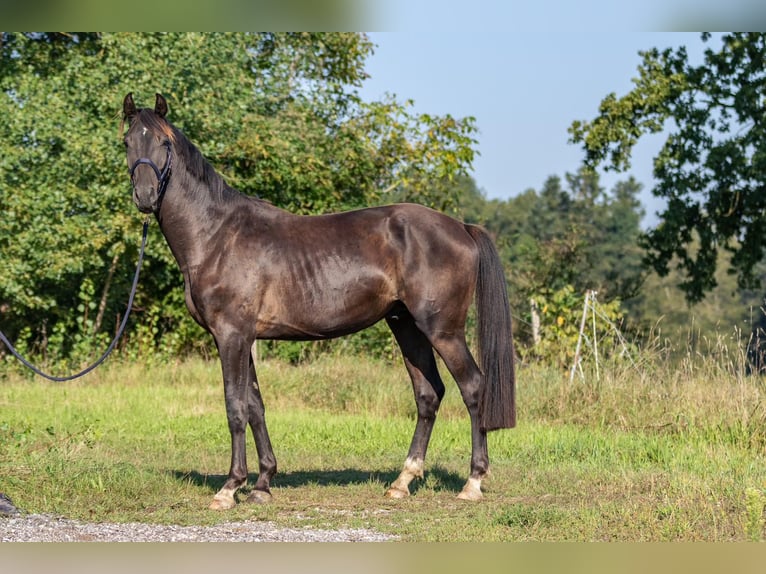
point(120, 331)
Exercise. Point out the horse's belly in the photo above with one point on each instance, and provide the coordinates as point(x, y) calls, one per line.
point(321, 316)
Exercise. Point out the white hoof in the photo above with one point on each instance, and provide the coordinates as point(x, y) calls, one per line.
point(397, 493)
point(471, 490)
point(223, 501)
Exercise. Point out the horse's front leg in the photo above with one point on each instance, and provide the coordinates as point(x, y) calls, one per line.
point(235, 363)
point(267, 463)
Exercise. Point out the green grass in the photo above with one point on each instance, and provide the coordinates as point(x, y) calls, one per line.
point(655, 454)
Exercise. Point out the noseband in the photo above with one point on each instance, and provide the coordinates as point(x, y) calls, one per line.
point(162, 176)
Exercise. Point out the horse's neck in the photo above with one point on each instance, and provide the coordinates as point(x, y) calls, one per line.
point(188, 221)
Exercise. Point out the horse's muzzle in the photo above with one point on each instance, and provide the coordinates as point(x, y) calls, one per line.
point(145, 200)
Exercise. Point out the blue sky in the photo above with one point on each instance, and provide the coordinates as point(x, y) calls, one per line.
point(523, 86)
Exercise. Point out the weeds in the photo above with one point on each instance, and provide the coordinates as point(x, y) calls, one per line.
point(755, 501)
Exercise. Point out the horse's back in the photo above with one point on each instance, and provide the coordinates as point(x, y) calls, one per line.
point(413, 233)
point(416, 245)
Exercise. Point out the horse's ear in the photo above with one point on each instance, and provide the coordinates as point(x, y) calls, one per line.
point(160, 106)
point(129, 107)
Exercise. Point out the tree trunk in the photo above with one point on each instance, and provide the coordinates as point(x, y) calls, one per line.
point(105, 293)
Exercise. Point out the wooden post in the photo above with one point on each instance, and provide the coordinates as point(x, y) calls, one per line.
point(535, 310)
point(579, 338)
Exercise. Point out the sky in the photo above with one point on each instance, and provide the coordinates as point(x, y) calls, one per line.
point(524, 87)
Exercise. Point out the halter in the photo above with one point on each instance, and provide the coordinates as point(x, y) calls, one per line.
point(162, 176)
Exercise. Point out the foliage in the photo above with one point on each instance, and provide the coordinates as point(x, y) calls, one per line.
point(581, 236)
point(277, 114)
point(572, 236)
point(560, 315)
point(711, 168)
point(559, 243)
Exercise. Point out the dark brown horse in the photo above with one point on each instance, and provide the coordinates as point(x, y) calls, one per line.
point(254, 271)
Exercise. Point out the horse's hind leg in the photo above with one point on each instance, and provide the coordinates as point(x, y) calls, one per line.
point(429, 390)
point(458, 359)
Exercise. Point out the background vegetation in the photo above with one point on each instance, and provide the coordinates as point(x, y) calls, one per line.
point(280, 116)
point(277, 114)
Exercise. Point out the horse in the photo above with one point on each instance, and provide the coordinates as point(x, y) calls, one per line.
point(254, 271)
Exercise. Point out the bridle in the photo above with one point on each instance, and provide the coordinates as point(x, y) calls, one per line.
point(162, 176)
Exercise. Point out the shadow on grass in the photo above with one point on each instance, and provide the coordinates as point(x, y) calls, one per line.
point(436, 478)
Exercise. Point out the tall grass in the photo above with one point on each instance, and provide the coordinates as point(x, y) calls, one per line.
point(705, 391)
point(649, 449)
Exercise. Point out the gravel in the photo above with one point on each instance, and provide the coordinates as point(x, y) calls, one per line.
point(48, 528)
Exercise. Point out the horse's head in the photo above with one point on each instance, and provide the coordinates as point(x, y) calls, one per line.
point(148, 145)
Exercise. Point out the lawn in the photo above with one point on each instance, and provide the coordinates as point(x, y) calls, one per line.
point(639, 454)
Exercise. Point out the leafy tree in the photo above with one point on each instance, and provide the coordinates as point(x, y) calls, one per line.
point(278, 115)
point(729, 318)
point(559, 243)
point(581, 236)
point(612, 226)
point(711, 169)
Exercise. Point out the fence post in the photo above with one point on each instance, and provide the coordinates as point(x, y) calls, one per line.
point(535, 311)
point(580, 336)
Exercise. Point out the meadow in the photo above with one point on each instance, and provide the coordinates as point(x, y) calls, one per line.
point(654, 450)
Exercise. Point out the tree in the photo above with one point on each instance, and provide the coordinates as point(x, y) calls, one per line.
point(728, 319)
point(612, 226)
point(278, 115)
point(578, 236)
point(711, 169)
point(559, 243)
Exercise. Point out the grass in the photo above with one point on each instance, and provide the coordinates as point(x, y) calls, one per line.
point(653, 453)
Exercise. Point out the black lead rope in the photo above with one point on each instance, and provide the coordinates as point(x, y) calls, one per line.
point(124, 322)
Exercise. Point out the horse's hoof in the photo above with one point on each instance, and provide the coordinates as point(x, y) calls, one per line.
point(472, 495)
point(259, 497)
point(222, 503)
point(6, 505)
point(397, 493)
point(471, 491)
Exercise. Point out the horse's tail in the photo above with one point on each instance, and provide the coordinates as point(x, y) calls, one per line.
point(495, 342)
